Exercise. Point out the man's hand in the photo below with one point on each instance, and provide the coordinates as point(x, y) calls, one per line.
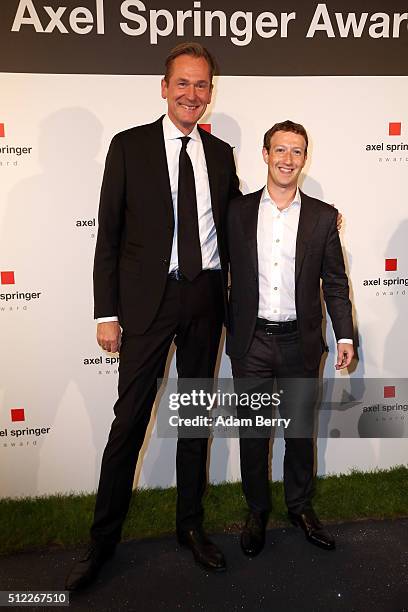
point(108, 336)
point(345, 354)
point(339, 221)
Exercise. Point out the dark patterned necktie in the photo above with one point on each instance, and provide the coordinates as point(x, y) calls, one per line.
point(188, 237)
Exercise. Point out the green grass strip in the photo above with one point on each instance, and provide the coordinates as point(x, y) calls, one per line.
point(64, 520)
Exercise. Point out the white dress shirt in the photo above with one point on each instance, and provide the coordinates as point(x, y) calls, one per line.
point(276, 241)
point(276, 238)
point(206, 226)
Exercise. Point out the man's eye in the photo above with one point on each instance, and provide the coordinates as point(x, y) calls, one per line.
point(297, 152)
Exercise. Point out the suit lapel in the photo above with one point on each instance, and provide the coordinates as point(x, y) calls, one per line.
point(307, 223)
point(157, 153)
point(213, 166)
point(249, 223)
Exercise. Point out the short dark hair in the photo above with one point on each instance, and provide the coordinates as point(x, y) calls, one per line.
point(194, 50)
point(285, 126)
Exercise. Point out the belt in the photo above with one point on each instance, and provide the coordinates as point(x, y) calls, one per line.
point(276, 327)
point(178, 276)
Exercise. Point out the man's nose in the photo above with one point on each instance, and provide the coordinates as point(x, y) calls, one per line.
point(190, 92)
point(288, 157)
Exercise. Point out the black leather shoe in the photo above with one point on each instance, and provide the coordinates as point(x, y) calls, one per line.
point(204, 551)
point(253, 534)
point(315, 532)
point(86, 569)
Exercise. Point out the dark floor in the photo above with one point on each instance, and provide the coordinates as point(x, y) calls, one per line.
point(368, 572)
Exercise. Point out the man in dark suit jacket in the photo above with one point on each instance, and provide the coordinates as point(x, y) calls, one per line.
point(282, 244)
point(160, 274)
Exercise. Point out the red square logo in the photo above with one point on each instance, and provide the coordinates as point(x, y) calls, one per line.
point(2, 130)
point(391, 265)
point(389, 391)
point(7, 278)
point(205, 126)
point(17, 414)
point(394, 129)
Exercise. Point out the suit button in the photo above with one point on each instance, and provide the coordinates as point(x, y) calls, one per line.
point(165, 261)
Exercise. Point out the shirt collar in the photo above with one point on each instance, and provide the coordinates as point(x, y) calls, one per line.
point(171, 132)
point(266, 198)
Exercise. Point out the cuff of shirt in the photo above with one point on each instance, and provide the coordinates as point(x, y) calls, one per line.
point(106, 319)
point(345, 341)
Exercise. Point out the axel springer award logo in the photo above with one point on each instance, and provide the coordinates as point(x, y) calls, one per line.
point(88, 224)
point(393, 148)
point(7, 277)
point(391, 265)
point(17, 432)
point(393, 282)
point(394, 129)
point(12, 298)
point(11, 153)
point(102, 365)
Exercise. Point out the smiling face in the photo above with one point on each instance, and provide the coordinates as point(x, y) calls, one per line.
point(188, 91)
point(285, 159)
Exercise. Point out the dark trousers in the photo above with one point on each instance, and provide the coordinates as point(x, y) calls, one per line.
point(191, 313)
point(279, 358)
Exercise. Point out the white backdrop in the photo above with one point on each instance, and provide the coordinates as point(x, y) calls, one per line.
point(50, 374)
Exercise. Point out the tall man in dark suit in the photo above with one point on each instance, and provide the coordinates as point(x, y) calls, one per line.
point(282, 243)
point(160, 274)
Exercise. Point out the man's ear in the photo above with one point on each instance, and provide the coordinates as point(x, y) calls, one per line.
point(164, 88)
point(265, 155)
point(211, 93)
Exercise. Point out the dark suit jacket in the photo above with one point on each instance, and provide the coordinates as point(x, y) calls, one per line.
point(318, 256)
point(136, 222)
